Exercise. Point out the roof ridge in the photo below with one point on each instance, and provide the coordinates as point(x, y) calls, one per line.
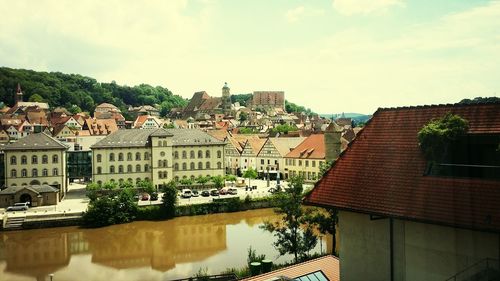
point(480, 103)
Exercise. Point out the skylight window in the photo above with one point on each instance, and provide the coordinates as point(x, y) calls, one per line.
point(315, 276)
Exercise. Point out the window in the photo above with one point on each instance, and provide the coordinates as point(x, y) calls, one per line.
point(207, 154)
point(34, 173)
point(99, 170)
point(24, 173)
point(176, 167)
point(111, 157)
point(159, 143)
point(120, 169)
point(300, 162)
point(165, 162)
point(262, 161)
point(200, 166)
point(112, 169)
point(268, 161)
point(13, 173)
point(13, 160)
point(165, 174)
point(34, 159)
point(162, 154)
point(137, 156)
point(129, 168)
point(307, 163)
point(129, 156)
point(137, 168)
point(208, 165)
point(176, 155)
point(137, 180)
point(24, 160)
point(176, 178)
point(120, 156)
point(160, 163)
point(219, 165)
point(98, 158)
point(191, 166)
point(146, 168)
point(191, 154)
point(55, 172)
point(184, 155)
point(313, 163)
point(160, 174)
point(146, 156)
point(219, 154)
point(45, 173)
point(200, 154)
point(184, 166)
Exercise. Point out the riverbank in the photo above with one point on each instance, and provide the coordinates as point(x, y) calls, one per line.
point(146, 213)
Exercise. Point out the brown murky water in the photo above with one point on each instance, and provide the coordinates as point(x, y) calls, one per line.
point(163, 250)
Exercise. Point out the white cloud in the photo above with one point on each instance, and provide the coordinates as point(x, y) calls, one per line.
point(300, 12)
point(293, 15)
point(352, 7)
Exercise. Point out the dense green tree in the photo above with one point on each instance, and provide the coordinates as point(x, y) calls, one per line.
point(36, 98)
point(294, 232)
point(59, 89)
point(186, 181)
point(434, 138)
point(243, 99)
point(202, 180)
point(283, 129)
point(146, 185)
point(218, 181)
point(170, 199)
point(250, 173)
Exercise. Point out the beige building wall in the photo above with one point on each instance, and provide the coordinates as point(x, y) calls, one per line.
point(59, 178)
point(421, 251)
point(102, 170)
point(164, 162)
point(307, 168)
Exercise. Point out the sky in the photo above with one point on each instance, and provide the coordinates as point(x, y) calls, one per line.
point(331, 56)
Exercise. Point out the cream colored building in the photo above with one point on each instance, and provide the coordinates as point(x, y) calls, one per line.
point(35, 160)
point(271, 156)
point(157, 155)
point(305, 160)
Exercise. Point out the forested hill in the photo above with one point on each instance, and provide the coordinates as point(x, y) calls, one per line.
point(68, 90)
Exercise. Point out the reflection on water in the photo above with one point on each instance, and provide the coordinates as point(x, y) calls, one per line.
point(137, 251)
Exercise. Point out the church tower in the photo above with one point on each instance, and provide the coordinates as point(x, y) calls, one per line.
point(226, 99)
point(19, 94)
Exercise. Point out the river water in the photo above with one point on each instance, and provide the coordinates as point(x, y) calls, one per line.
point(164, 250)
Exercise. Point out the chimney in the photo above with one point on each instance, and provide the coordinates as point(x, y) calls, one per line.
point(332, 141)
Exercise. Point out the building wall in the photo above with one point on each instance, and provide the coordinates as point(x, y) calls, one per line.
point(59, 179)
point(307, 168)
point(175, 168)
point(421, 251)
point(46, 199)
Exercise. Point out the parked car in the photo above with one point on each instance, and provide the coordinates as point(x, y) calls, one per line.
point(272, 190)
point(154, 196)
point(195, 193)
point(186, 193)
point(145, 197)
point(18, 207)
point(214, 192)
point(232, 191)
point(222, 191)
point(205, 193)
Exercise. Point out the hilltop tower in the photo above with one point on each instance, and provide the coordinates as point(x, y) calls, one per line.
point(226, 99)
point(19, 94)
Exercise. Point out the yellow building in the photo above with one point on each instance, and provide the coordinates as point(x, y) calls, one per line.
point(157, 155)
point(37, 159)
point(306, 158)
point(271, 156)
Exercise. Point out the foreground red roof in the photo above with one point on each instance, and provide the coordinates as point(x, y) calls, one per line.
point(382, 172)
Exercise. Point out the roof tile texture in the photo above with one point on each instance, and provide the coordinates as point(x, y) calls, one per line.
point(382, 172)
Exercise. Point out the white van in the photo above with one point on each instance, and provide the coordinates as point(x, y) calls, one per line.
point(186, 193)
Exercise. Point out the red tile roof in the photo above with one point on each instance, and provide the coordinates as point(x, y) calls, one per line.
point(382, 172)
point(313, 147)
point(329, 265)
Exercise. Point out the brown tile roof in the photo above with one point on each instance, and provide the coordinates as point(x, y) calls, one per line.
point(210, 104)
point(329, 265)
point(101, 126)
point(313, 147)
point(382, 172)
point(218, 134)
